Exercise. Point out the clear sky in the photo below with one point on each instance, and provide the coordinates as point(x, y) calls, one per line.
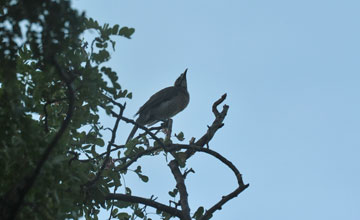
point(291, 70)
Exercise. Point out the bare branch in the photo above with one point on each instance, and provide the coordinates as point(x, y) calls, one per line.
point(148, 202)
point(180, 185)
point(216, 125)
point(241, 186)
point(218, 122)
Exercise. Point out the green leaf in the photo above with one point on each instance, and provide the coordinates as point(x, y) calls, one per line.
point(174, 192)
point(128, 190)
point(126, 32)
point(100, 57)
point(181, 158)
point(143, 178)
point(138, 169)
point(130, 147)
point(180, 136)
point(123, 216)
point(99, 142)
point(114, 211)
point(59, 159)
point(139, 213)
point(199, 212)
point(115, 29)
point(121, 204)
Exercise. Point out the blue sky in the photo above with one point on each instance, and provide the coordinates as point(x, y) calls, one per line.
point(291, 71)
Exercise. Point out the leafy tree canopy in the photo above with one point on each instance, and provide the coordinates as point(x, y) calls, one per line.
point(53, 84)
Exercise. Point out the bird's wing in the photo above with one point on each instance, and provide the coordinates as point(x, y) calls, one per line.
point(158, 98)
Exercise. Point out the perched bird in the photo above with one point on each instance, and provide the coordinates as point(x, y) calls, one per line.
point(163, 105)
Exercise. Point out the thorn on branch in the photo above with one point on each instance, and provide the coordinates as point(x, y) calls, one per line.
point(187, 171)
point(176, 204)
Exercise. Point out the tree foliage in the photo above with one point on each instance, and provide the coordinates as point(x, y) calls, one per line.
point(53, 84)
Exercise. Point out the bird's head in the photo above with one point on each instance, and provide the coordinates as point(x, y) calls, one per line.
point(181, 80)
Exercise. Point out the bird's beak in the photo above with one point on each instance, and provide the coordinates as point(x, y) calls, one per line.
point(185, 71)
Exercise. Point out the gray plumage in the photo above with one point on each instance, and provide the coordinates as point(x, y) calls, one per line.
point(163, 105)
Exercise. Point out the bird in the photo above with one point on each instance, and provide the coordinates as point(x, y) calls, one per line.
point(163, 105)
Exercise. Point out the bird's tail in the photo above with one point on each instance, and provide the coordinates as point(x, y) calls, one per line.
point(132, 133)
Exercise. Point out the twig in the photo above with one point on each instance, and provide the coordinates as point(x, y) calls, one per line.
point(157, 129)
point(112, 204)
point(117, 147)
point(137, 156)
point(187, 171)
point(108, 150)
point(121, 106)
point(147, 130)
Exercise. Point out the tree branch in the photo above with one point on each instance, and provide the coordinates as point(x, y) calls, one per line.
point(180, 178)
point(190, 150)
point(241, 186)
point(216, 125)
point(117, 147)
point(147, 130)
point(180, 185)
point(108, 150)
point(148, 202)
